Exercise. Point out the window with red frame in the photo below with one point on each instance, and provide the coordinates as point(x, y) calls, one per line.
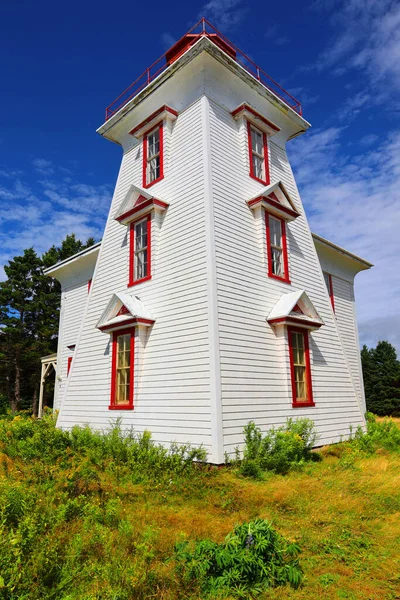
point(69, 362)
point(278, 263)
point(153, 151)
point(329, 287)
point(140, 251)
point(122, 373)
point(258, 154)
point(300, 367)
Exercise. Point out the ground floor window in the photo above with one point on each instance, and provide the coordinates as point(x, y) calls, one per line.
point(123, 360)
point(300, 367)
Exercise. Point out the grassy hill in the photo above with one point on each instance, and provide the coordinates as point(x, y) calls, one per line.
point(85, 516)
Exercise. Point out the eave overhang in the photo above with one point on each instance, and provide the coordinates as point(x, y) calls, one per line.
point(276, 200)
point(137, 204)
point(122, 312)
point(295, 309)
point(254, 117)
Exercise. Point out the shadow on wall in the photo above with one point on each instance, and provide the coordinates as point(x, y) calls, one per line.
point(318, 357)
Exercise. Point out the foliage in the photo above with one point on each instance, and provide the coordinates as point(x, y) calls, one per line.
point(92, 516)
point(381, 371)
point(29, 315)
point(253, 558)
point(379, 434)
point(279, 450)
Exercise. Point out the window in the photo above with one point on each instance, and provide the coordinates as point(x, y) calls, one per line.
point(69, 362)
point(258, 154)
point(300, 367)
point(278, 264)
point(123, 345)
point(89, 285)
point(329, 287)
point(153, 169)
point(140, 251)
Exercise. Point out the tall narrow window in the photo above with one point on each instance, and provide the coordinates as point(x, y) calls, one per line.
point(278, 264)
point(329, 287)
point(140, 251)
point(258, 154)
point(69, 363)
point(153, 169)
point(300, 367)
point(122, 370)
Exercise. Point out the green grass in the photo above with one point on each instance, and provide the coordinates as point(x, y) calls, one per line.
point(85, 517)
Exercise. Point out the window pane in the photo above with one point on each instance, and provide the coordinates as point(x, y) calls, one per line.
point(153, 142)
point(277, 262)
point(258, 166)
point(275, 232)
point(256, 141)
point(299, 366)
point(123, 369)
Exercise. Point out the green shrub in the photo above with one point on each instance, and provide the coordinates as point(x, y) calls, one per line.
point(379, 434)
point(253, 558)
point(279, 450)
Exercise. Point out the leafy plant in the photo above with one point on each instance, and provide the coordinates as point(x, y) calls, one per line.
point(253, 558)
point(279, 450)
point(379, 434)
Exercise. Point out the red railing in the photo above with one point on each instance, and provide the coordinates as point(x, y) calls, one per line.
point(203, 29)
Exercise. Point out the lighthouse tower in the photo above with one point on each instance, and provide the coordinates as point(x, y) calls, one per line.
point(208, 305)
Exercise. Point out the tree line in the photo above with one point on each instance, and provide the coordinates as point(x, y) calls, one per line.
point(381, 371)
point(29, 315)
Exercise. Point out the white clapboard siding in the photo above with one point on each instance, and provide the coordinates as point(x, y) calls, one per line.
point(252, 374)
point(172, 382)
point(343, 292)
point(73, 302)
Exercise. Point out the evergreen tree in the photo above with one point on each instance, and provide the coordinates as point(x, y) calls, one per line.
point(381, 371)
point(29, 314)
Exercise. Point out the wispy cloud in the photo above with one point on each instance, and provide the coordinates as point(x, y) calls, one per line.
point(43, 166)
point(354, 201)
point(224, 14)
point(167, 39)
point(274, 35)
point(45, 210)
point(366, 37)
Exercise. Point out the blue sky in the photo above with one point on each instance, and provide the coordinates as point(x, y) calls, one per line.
point(62, 63)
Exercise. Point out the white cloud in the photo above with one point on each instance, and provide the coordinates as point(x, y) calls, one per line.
point(355, 202)
point(47, 210)
point(224, 14)
point(273, 35)
point(367, 38)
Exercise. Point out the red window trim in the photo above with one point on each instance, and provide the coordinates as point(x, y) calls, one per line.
point(295, 403)
point(132, 280)
point(159, 125)
point(330, 291)
point(266, 163)
point(115, 335)
point(286, 277)
point(69, 364)
point(89, 285)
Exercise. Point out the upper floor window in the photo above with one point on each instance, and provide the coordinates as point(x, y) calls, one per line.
point(300, 367)
point(329, 287)
point(69, 363)
point(153, 168)
point(140, 251)
point(278, 264)
point(123, 345)
point(258, 154)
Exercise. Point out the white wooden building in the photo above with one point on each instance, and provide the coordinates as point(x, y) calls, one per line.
point(210, 302)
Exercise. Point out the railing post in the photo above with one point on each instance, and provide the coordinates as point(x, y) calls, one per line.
point(258, 74)
point(203, 21)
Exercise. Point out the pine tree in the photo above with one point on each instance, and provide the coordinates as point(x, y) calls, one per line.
point(29, 314)
point(381, 371)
